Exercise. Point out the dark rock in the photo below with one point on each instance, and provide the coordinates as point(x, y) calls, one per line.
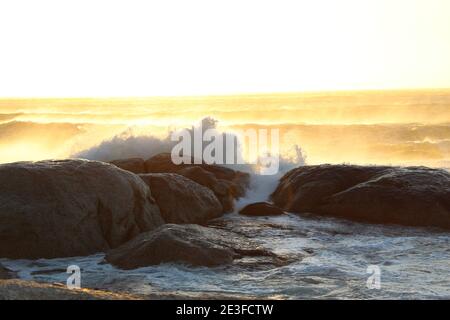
point(182, 200)
point(261, 209)
point(65, 208)
point(220, 172)
point(32, 290)
point(199, 175)
point(49, 272)
point(223, 189)
point(190, 244)
point(162, 163)
point(5, 273)
point(413, 196)
point(227, 184)
point(135, 165)
point(301, 189)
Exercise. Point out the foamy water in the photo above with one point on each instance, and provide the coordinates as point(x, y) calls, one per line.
point(333, 257)
point(330, 260)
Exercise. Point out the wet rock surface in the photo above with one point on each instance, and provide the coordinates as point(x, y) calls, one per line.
point(32, 290)
point(223, 189)
point(182, 200)
point(412, 196)
point(261, 209)
point(227, 184)
point(190, 244)
point(135, 165)
point(66, 208)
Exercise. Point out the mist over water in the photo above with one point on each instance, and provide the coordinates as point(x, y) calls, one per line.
point(385, 127)
point(398, 128)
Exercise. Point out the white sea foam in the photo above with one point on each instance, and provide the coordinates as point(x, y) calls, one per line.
point(334, 255)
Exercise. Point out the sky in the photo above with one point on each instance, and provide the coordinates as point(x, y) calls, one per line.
point(96, 48)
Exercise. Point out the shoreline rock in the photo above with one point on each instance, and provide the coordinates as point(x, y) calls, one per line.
point(135, 165)
point(74, 207)
point(261, 209)
point(31, 290)
point(182, 200)
point(191, 244)
point(411, 196)
point(227, 184)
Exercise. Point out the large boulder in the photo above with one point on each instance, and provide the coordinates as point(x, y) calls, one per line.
point(223, 189)
point(414, 196)
point(74, 207)
point(227, 184)
point(182, 200)
point(189, 244)
point(261, 209)
point(135, 165)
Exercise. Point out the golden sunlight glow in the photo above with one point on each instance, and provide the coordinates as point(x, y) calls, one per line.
point(401, 127)
point(289, 64)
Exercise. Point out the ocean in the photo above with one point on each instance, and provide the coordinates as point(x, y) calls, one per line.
point(366, 127)
point(331, 256)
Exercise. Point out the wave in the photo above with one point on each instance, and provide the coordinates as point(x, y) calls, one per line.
point(377, 107)
point(401, 144)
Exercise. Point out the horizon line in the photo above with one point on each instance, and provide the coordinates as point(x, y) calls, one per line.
point(240, 94)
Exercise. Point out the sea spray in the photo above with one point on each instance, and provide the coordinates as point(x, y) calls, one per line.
point(262, 186)
point(128, 145)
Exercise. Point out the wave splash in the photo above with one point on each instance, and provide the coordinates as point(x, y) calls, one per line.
point(129, 145)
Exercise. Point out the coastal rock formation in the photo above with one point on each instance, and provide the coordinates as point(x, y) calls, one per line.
point(32, 290)
point(135, 165)
point(227, 184)
point(162, 163)
point(413, 196)
point(261, 209)
point(223, 189)
point(182, 200)
point(65, 208)
point(190, 244)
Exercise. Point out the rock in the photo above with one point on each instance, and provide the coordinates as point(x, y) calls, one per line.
point(189, 244)
point(5, 273)
point(182, 200)
point(227, 184)
point(52, 209)
point(220, 172)
point(32, 290)
point(224, 192)
point(135, 165)
point(261, 209)
point(413, 196)
point(199, 175)
point(223, 189)
point(162, 163)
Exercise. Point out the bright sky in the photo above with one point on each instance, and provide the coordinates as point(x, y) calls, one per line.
point(145, 48)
